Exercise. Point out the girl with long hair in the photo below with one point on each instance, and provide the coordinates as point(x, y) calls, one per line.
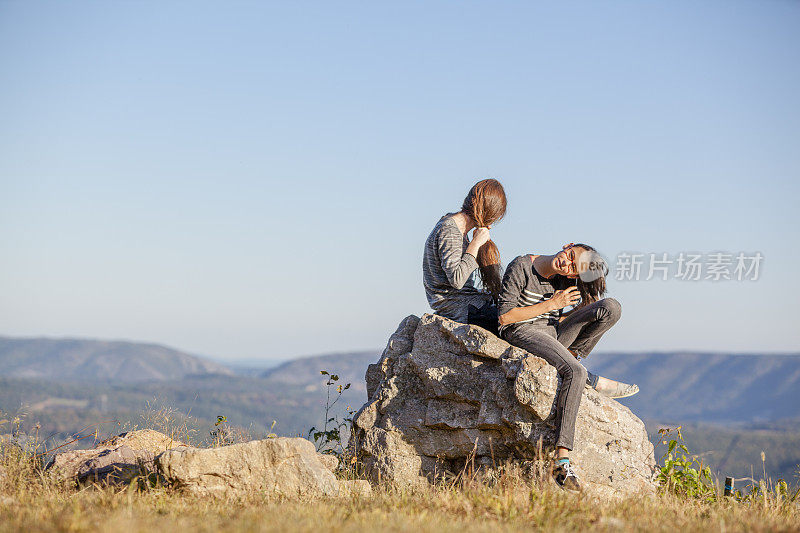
point(535, 291)
point(452, 262)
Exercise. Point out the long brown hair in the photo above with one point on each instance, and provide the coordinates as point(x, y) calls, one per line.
point(594, 290)
point(486, 204)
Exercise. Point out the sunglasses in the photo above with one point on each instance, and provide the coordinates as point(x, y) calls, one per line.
point(572, 268)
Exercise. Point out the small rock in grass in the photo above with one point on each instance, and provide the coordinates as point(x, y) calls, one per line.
point(331, 462)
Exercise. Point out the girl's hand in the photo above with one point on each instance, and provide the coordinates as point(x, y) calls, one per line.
point(480, 236)
point(569, 296)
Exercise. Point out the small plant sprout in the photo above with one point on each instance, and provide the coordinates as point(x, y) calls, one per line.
point(221, 435)
point(329, 438)
point(270, 434)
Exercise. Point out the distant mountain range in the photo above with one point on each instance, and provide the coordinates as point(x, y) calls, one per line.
point(304, 372)
point(674, 387)
point(66, 384)
point(93, 360)
point(707, 387)
point(684, 386)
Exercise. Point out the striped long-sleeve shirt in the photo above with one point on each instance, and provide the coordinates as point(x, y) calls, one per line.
point(523, 286)
point(449, 273)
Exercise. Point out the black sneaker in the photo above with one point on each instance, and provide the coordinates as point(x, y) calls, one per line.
point(564, 475)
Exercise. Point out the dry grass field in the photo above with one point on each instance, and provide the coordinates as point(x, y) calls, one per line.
point(31, 501)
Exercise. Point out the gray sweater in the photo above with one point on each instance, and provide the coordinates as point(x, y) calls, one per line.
point(524, 286)
point(449, 274)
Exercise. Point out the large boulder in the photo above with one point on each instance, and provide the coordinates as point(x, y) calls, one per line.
point(116, 460)
point(444, 393)
point(286, 466)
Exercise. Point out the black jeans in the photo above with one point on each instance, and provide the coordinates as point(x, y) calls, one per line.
point(485, 317)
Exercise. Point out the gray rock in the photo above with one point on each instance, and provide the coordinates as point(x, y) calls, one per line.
point(286, 466)
point(331, 462)
point(443, 392)
point(114, 461)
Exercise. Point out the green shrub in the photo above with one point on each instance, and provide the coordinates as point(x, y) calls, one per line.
point(683, 474)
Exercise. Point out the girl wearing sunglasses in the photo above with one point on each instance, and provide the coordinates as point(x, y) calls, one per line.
point(535, 291)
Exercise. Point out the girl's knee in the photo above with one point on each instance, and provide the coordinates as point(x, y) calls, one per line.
point(576, 371)
point(611, 309)
point(581, 373)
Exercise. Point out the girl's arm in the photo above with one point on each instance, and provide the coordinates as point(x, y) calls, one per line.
point(518, 314)
point(560, 299)
point(479, 238)
point(457, 264)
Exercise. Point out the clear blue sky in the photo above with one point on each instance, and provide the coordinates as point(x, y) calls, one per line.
point(253, 180)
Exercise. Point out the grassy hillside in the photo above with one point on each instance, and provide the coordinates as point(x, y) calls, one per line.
point(508, 503)
point(482, 509)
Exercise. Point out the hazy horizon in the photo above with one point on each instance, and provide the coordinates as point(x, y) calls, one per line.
point(276, 360)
